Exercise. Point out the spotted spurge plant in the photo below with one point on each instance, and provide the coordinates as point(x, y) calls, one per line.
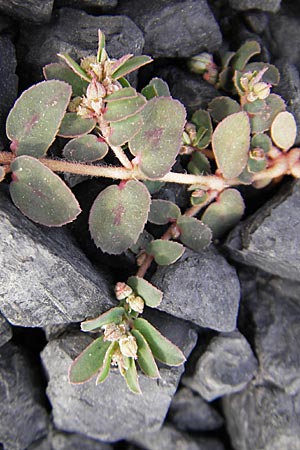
point(242, 139)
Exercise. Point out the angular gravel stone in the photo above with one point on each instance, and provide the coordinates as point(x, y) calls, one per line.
point(189, 412)
point(45, 279)
point(200, 287)
point(168, 438)
point(30, 10)
point(39, 46)
point(109, 411)
point(174, 28)
point(5, 331)
point(23, 418)
point(8, 81)
point(102, 5)
point(226, 366)
point(263, 5)
point(272, 306)
point(270, 238)
point(264, 418)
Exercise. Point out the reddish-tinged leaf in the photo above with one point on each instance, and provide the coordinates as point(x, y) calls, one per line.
point(130, 65)
point(40, 194)
point(149, 293)
point(56, 71)
point(165, 252)
point(86, 148)
point(74, 126)
point(113, 315)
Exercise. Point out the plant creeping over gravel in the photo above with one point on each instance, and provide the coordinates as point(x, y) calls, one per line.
point(245, 138)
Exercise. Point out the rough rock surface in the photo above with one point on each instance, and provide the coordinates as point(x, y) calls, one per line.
point(190, 89)
point(168, 438)
point(270, 313)
point(39, 46)
point(263, 5)
point(5, 331)
point(23, 418)
point(100, 5)
point(8, 81)
point(189, 412)
point(200, 287)
point(45, 279)
point(268, 240)
point(95, 410)
point(174, 28)
point(30, 10)
point(263, 417)
point(226, 366)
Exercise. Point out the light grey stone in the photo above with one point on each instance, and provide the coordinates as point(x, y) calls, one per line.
point(29, 10)
point(39, 46)
point(271, 305)
point(102, 5)
point(5, 331)
point(264, 418)
point(269, 239)
point(174, 28)
point(45, 279)
point(200, 287)
point(168, 438)
point(263, 5)
point(23, 418)
point(109, 411)
point(226, 366)
point(189, 412)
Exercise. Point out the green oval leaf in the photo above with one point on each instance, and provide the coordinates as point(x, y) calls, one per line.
point(163, 211)
point(87, 364)
point(73, 126)
point(262, 141)
point(158, 142)
point(75, 67)
point(113, 315)
point(164, 252)
point(271, 75)
point(163, 349)
point(122, 94)
point(244, 53)
point(149, 293)
point(86, 148)
point(56, 71)
point(262, 121)
point(199, 164)
point(130, 65)
point(221, 107)
point(145, 356)
point(223, 214)
point(284, 130)
point(156, 88)
point(124, 108)
point(40, 194)
point(35, 118)
point(120, 132)
point(231, 142)
point(194, 233)
point(131, 377)
point(118, 216)
point(104, 371)
point(202, 120)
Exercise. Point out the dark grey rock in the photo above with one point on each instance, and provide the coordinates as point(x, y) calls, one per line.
point(23, 418)
point(194, 92)
point(57, 440)
point(226, 366)
point(289, 89)
point(264, 418)
point(270, 238)
point(174, 28)
point(263, 5)
point(189, 412)
point(45, 279)
point(30, 10)
point(109, 411)
point(168, 438)
point(8, 81)
point(5, 331)
point(271, 306)
point(200, 287)
point(39, 46)
point(102, 5)
point(257, 21)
